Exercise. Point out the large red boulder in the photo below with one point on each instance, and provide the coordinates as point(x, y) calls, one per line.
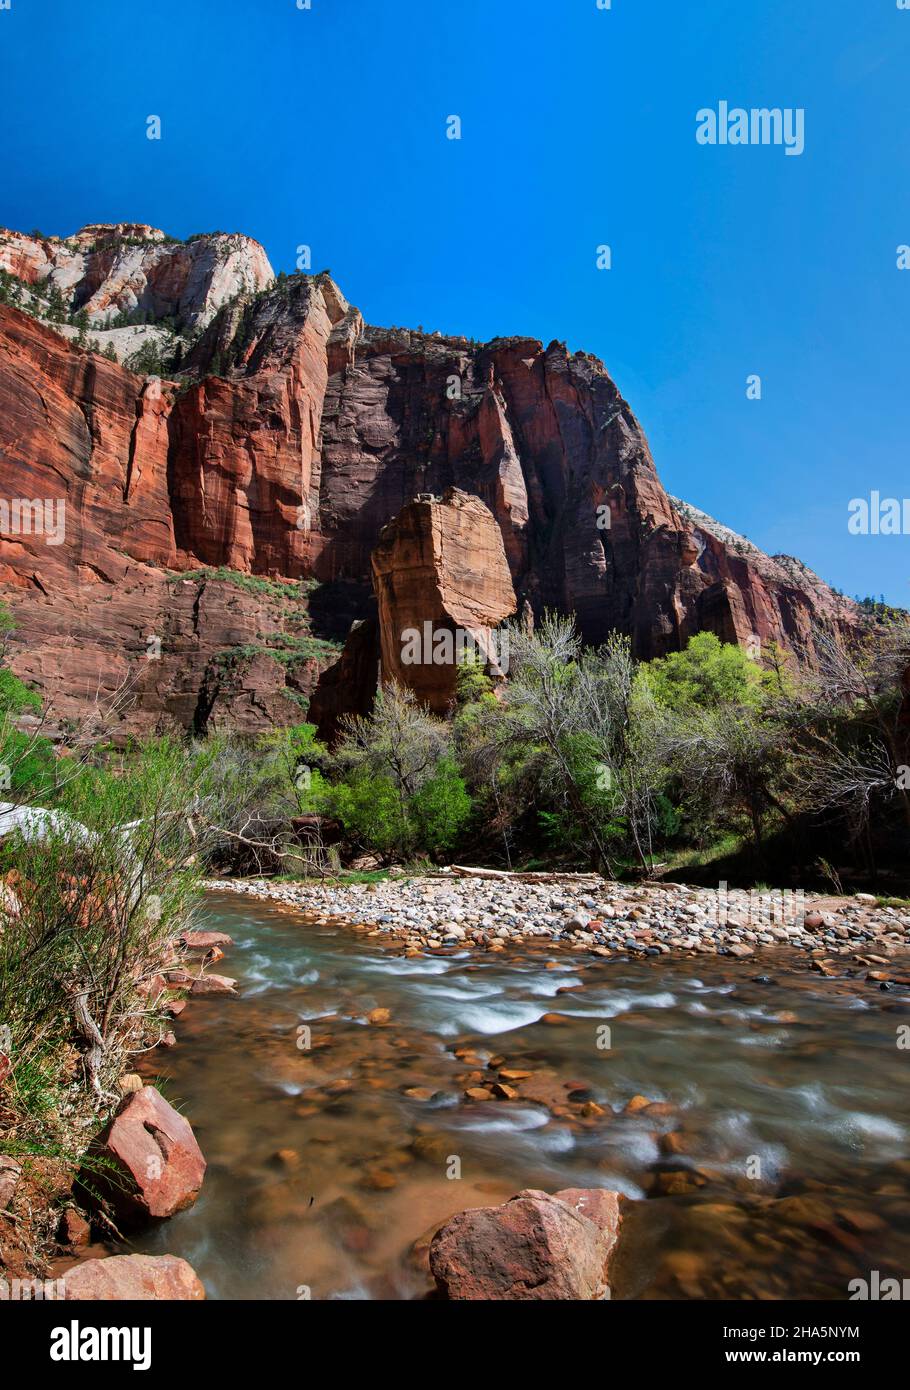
point(146, 1162)
point(132, 1276)
point(536, 1246)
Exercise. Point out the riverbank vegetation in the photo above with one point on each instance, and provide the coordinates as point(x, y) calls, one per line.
point(586, 758)
point(706, 759)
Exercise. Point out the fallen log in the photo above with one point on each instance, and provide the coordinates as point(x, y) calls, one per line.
point(530, 876)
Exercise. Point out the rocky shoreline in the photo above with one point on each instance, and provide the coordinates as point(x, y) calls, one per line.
point(590, 914)
point(57, 1220)
point(550, 1244)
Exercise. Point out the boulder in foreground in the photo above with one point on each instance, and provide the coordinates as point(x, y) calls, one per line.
point(146, 1160)
point(121, 1277)
point(536, 1246)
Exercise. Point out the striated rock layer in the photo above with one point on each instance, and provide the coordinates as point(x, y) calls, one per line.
point(221, 527)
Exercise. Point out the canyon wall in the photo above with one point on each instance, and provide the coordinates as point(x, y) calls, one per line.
point(229, 518)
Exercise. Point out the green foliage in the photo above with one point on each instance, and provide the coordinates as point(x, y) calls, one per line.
point(440, 809)
point(471, 684)
point(149, 360)
point(705, 674)
point(370, 809)
point(101, 891)
point(15, 696)
point(56, 306)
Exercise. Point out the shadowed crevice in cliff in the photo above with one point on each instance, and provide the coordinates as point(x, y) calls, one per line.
point(335, 604)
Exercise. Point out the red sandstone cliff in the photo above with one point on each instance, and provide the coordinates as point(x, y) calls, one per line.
point(441, 577)
point(290, 438)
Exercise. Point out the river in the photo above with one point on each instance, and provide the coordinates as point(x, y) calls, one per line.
point(775, 1163)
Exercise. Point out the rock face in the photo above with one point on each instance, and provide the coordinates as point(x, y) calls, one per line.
point(535, 1246)
point(441, 580)
point(113, 615)
point(148, 1164)
point(120, 1277)
point(112, 268)
point(194, 551)
point(348, 686)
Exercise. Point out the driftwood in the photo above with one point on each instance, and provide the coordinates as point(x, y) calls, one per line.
point(462, 871)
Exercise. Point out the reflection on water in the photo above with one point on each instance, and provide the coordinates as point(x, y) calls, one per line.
point(774, 1162)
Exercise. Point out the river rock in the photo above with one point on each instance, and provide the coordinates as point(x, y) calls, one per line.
point(120, 1277)
point(204, 940)
point(150, 1164)
point(536, 1246)
point(213, 984)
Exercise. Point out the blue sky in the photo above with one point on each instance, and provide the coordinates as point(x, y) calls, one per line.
point(327, 127)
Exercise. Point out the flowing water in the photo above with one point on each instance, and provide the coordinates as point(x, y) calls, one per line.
point(775, 1163)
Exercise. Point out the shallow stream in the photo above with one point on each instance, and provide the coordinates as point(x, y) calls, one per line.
point(779, 1139)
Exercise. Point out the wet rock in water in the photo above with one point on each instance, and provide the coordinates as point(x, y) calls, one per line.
point(674, 1143)
point(660, 1110)
point(378, 1180)
point(676, 1182)
point(286, 1158)
point(379, 1016)
point(554, 1020)
point(146, 1161)
point(127, 1277)
point(433, 1148)
point(478, 1093)
point(637, 1103)
point(536, 1246)
point(213, 984)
